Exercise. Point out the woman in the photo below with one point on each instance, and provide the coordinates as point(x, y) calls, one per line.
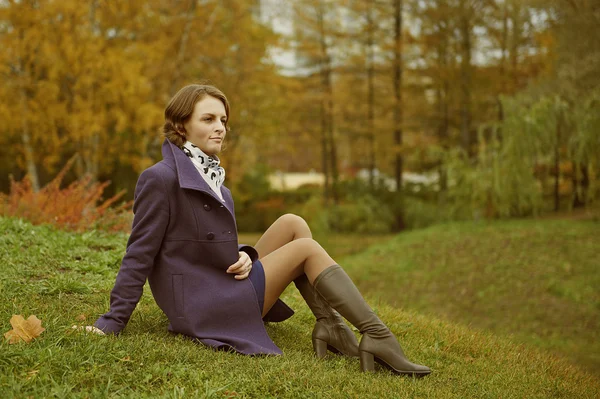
point(184, 241)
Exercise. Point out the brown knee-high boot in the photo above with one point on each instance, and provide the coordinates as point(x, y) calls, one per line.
point(378, 343)
point(330, 332)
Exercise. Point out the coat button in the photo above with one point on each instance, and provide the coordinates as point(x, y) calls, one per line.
point(207, 207)
point(210, 236)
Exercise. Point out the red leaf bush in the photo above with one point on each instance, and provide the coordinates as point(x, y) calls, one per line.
point(77, 207)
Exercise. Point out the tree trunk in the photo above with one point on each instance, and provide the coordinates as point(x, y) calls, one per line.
point(557, 165)
point(92, 158)
point(398, 114)
point(585, 183)
point(27, 146)
point(443, 100)
point(517, 32)
point(324, 152)
point(581, 182)
point(370, 59)
point(327, 144)
point(575, 186)
point(503, 49)
point(465, 76)
point(331, 141)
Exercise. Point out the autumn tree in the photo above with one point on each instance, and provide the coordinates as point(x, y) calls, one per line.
point(91, 78)
point(573, 75)
point(24, 61)
point(317, 25)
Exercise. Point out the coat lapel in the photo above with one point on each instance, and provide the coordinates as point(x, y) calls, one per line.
point(189, 177)
point(228, 199)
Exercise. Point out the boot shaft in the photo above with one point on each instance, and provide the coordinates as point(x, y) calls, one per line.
point(330, 328)
point(339, 291)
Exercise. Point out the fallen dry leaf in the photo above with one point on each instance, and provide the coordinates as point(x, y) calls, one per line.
point(81, 317)
point(24, 330)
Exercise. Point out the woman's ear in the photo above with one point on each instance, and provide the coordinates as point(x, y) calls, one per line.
point(180, 129)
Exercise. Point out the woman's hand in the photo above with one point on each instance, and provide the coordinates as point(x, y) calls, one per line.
point(242, 267)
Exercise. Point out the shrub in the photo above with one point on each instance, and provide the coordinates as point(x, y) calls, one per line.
point(420, 212)
point(77, 207)
point(363, 213)
point(315, 213)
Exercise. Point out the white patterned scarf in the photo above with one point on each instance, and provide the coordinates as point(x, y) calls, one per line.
point(208, 166)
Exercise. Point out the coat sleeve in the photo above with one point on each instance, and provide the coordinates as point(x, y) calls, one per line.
point(253, 253)
point(151, 217)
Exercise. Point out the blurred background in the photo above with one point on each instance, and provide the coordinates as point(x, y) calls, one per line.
point(363, 116)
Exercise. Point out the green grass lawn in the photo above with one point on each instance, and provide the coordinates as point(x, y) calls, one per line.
point(64, 278)
point(537, 281)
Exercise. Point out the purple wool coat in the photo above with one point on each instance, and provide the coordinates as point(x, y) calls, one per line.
point(183, 239)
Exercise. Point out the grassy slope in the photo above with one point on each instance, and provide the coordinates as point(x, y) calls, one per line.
point(535, 280)
point(62, 277)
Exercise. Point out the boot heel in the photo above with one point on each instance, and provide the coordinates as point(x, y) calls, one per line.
point(320, 348)
point(367, 361)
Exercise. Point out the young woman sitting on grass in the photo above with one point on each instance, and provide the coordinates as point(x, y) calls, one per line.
point(184, 241)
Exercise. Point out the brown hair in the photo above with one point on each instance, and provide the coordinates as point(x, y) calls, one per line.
point(181, 107)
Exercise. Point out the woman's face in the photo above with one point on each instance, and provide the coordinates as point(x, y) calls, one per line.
point(206, 127)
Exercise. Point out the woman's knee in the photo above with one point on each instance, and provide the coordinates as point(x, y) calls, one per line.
point(298, 224)
point(292, 219)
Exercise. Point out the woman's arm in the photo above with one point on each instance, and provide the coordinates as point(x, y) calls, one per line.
point(151, 217)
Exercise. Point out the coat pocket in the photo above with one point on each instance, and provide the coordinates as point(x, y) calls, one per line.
point(178, 294)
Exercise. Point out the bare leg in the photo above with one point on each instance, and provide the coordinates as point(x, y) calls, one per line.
point(285, 229)
point(288, 252)
point(283, 265)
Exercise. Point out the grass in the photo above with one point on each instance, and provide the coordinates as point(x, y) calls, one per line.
point(535, 281)
point(65, 279)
